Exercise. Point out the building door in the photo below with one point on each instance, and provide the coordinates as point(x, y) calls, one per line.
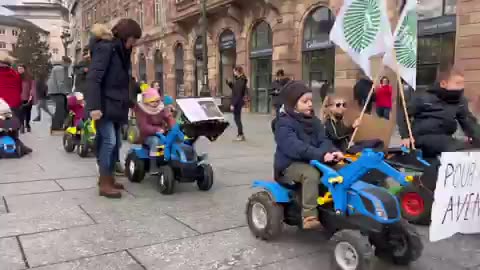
point(142, 68)
point(198, 54)
point(179, 73)
point(158, 60)
point(228, 58)
point(262, 80)
point(318, 54)
point(261, 63)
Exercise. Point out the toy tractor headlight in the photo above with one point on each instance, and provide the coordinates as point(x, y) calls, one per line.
point(380, 212)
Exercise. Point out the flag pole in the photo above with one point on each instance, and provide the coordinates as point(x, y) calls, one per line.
point(404, 103)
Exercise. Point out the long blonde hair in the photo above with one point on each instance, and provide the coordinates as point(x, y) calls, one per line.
point(325, 112)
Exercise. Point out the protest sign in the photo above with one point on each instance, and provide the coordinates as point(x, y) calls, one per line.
point(200, 109)
point(456, 208)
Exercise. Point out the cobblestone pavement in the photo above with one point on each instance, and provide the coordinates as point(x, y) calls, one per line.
point(52, 219)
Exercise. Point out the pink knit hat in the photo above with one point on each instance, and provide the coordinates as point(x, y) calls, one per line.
point(151, 95)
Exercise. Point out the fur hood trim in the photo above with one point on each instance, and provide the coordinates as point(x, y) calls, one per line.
point(101, 31)
point(6, 59)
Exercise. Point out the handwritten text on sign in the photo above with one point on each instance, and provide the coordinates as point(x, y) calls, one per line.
point(456, 208)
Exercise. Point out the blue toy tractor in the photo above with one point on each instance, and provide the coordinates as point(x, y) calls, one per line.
point(359, 215)
point(8, 147)
point(176, 160)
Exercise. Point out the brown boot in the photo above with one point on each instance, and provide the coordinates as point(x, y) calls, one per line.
point(117, 185)
point(106, 188)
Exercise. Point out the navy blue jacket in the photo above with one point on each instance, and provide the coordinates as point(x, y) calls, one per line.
point(295, 145)
point(108, 79)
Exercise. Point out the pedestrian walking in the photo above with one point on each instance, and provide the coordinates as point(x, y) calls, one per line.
point(277, 85)
point(108, 95)
point(383, 98)
point(239, 91)
point(80, 70)
point(11, 92)
point(28, 93)
point(41, 98)
point(361, 91)
point(58, 89)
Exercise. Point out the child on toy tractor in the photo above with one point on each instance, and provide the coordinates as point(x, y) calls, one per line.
point(339, 132)
point(435, 115)
point(300, 138)
point(76, 107)
point(10, 127)
point(152, 118)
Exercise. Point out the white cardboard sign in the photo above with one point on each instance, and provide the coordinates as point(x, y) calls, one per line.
point(200, 109)
point(456, 208)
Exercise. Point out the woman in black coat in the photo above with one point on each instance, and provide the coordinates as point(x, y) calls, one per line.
point(239, 90)
point(108, 95)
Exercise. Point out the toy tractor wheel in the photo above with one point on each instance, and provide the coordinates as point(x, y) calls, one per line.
point(68, 143)
point(166, 180)
point(264, 216)
point(206, 182)
point(403, 246)
point(132, 134)
point(18, 151)
point(416, 204)
point(82, 150)
point(352, 251)
point(134, 168)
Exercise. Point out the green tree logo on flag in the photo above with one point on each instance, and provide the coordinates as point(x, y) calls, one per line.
point(406, 41)
point(362, 24)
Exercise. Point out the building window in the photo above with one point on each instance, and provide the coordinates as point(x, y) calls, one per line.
point(262, 36)
point(158, 12)
point(3, 45)
point(142, 67)
point(2, 31)
point(55, 50)
point(179, 73)
point(140, 14)
point(430, 9)
point(126, 12)
point(14, 32)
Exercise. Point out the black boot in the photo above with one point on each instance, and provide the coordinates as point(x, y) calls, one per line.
point(37, 119)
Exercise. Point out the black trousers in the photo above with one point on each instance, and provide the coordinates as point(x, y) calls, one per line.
point(237, 116)
point(433, 145)
point(60, 111)
point(26, 114)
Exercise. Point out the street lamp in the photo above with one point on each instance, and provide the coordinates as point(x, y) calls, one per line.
point(67, 39)
point(205, 91)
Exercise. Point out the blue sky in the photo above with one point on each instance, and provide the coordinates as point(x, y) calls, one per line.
point(4, 11)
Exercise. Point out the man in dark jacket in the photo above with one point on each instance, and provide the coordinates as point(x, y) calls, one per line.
point(361, 90)
point(276, 90)
point(80, 70)
point(108, 95)
point(436, 114)
point(239, 90)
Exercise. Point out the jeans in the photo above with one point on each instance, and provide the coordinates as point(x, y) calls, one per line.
point(383, 112)
point(237, 116)
point(108, 143)
point(61, 111)
point(153, 142)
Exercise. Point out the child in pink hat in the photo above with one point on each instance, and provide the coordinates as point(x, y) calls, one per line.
point(152, 119)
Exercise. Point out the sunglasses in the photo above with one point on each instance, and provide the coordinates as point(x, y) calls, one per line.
point(339, 104)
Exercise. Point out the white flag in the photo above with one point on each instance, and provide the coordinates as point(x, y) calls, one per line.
point(405, 45)
point(362, 29)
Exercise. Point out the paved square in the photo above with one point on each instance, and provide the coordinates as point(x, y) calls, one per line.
point(51, 217)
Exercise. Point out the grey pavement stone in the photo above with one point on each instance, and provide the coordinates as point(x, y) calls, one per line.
point(232, 249)
point(114, 261)
point(74, 243)
point(68, 198)
point(10, 255)
point(78, 183)
point(28, 188)
point(37, 220)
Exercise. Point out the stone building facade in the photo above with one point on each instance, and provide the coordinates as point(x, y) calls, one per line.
point(264, 36)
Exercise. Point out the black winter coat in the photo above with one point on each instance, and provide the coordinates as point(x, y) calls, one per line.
point(276, 91)
point(338, 133)
point(431, 115)
point(81, 76)
point(239, 90)
point(108, 79)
